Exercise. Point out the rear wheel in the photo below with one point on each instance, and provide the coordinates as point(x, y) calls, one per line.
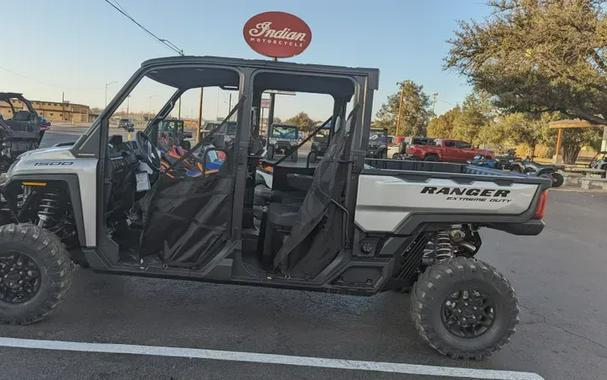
point(557, 179)
point(35, 273)
point(464, 308)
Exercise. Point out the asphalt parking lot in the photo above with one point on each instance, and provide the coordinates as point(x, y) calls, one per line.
point(559, 277)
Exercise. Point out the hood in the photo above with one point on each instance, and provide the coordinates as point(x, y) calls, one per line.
point(51, 153)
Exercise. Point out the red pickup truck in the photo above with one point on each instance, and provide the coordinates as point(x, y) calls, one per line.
point(447, 150)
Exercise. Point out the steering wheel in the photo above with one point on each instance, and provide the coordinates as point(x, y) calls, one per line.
point(148, 151)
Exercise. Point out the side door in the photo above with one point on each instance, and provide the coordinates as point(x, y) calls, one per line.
point(449, 150)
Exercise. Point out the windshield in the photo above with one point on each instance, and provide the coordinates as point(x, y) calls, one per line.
point(284, 132)
point(422, 141)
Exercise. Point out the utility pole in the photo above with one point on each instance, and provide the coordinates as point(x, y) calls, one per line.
point(63, 105)
point(179, 109)
point(199, 127)
point(434, 97)
point(400, 107)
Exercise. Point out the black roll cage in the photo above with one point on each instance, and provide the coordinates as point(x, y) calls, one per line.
point(364, 81)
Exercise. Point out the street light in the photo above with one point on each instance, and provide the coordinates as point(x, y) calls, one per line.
point(150, 103)
point(106, 86)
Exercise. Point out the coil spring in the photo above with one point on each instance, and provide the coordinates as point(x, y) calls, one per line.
point(51, 209)
point(438, 248)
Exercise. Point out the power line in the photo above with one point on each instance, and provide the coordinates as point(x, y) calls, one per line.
point(163, 41)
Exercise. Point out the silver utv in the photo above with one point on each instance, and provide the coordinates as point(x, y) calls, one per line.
point(342, 225)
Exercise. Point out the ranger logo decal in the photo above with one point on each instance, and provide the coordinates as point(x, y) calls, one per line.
point(469, 194)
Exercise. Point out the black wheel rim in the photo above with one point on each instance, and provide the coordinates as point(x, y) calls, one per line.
point(468, 313)
point(19, 278)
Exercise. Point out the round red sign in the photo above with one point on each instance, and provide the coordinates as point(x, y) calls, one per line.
point(277, 34)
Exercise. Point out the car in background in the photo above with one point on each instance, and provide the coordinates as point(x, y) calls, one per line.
point(126, 124)
point(378, 143)
point(446, 150)
point(599, 161)
point(397, 150)
point(172, 132)
point(222, 137)
point(320, 143)
point(283, 140)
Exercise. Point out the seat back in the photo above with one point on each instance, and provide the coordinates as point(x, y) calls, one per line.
point(317, 214)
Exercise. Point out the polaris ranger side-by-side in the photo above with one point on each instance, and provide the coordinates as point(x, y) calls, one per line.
point(20, 132)
point(282, 140)
point(341, 226)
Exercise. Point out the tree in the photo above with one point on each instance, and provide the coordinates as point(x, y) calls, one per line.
point(443, 125)
point(539, 56)
point(303, 121)
point(520, 128)
point(415, 111)
point(477, 113)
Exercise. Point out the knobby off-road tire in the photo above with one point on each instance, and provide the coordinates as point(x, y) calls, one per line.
point(433, 292)
point(43, 252)
point(557, 179)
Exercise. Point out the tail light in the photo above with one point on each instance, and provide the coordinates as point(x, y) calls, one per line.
point(541, 205)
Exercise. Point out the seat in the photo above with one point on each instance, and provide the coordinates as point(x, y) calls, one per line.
point(292, 237)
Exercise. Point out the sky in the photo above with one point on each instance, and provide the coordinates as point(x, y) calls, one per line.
point(74, 48)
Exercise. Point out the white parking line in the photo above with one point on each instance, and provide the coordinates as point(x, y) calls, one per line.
point(251, 357)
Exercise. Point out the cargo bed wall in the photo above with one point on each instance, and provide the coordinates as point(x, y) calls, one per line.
point(396, 201)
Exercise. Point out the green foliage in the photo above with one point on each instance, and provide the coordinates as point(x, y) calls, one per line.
point(303, 121)
point(467, 122)
point(443, 125)
point(539, 56)
point(521, 128)
point(415, 111)
point(477, 113)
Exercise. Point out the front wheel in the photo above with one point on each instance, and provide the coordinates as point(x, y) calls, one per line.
point(431, 157)
point(35, 273)
point(464, 308)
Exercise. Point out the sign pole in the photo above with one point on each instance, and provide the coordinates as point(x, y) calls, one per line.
point(272, 103)
point(199, 126)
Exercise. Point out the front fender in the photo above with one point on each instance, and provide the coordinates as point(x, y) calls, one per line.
point(14, 184)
